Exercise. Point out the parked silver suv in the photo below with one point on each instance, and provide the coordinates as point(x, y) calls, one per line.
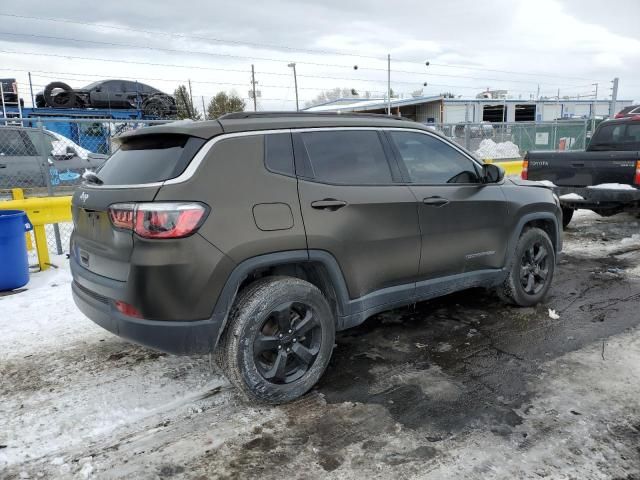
point(27, 154)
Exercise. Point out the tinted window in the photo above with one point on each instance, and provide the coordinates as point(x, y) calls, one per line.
point(347, 157)
point(432, 161)
point(15, 143)
point(278, 153)
point(149, 159)
point(621, 136)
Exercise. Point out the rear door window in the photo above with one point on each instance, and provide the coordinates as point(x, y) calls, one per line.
point(149, 159)
point(347, 157)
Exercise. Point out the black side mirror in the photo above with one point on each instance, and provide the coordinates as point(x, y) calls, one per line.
point(492, 173)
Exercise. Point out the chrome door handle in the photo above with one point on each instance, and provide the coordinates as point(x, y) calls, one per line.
point(435, 201)
point(330, 204)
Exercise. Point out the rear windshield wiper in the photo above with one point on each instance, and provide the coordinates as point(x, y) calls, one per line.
point(91, 177)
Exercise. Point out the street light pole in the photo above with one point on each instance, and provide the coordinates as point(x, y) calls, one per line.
point(295, 83)
point(388, 84)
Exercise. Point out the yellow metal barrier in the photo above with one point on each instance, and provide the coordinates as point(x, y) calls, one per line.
point(40, 210)
point(511, 167)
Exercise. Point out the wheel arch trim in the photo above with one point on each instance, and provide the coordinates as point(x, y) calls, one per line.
point(250, 265)
point(530, 217)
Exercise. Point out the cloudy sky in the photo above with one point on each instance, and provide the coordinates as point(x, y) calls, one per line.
point(515, 45)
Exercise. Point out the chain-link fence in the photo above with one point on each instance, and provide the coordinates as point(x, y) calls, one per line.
point(48, 156)
point(502, 141)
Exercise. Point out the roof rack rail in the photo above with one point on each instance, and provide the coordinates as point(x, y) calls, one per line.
point(276, 114)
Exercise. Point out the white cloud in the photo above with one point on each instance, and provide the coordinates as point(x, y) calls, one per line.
point(556, 39)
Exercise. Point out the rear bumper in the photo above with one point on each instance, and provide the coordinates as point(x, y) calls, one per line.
point(595, 198)
point(175, 337)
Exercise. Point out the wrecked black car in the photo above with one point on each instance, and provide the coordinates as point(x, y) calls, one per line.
point(113, 94)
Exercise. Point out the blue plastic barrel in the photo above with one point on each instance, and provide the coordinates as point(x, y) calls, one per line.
point(14, 264)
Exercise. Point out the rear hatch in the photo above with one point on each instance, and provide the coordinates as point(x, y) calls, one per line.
point(134, 173)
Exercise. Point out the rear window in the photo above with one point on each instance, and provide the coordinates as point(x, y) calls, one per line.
point(149, 159)
point(620, 136)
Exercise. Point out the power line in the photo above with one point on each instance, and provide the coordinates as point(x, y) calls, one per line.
point(74, 76)
point(244, 57)
point(219, 69)
point(278, 47)
point(227, 55)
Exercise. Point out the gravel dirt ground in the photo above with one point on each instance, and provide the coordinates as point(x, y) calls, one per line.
point(460, 387)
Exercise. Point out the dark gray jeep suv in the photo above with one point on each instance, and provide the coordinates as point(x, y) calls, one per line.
point(260, 235)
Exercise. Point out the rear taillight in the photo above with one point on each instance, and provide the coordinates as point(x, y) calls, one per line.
point(525, 170)
point(158, 220)
point(636, 177)
point(619, 115)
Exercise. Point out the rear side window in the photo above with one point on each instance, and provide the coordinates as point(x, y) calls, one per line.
point(278, 153)
point(347, 157)
point(15, 143)
point(149, 159)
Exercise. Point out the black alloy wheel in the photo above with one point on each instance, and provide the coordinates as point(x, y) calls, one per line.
point(534, 268)
point(287, 343)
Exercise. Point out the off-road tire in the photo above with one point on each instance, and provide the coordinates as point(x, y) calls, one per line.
point(252, 307)
point(567, 215)
point(65, 99)
point(512, 291)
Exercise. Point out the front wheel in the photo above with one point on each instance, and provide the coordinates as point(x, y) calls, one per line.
point(279, 339)
point(531, 269)
point(567, 215)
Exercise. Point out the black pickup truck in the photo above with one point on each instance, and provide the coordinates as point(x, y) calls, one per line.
point(605, 178)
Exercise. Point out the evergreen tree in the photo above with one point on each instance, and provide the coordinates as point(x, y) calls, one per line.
point(184, 105)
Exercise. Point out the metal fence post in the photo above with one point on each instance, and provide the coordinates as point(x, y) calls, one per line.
point(467, 136)
point(586, 129)
point(44, 165)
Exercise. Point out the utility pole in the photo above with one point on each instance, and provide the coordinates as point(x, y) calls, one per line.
point(295, 83)
point(253, 88)
point(388, 84)
point(614, 98)
point(204, 110)
point(4, 109)
point(191, 100)
point(33, 103)
point(594, 110)
point(538, 94)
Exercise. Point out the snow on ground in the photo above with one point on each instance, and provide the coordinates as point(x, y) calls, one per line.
point(490, 149)
point(460, 402)
point(602, 236)
point(82, 382)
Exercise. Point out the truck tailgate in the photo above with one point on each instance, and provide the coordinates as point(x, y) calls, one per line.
point(581, 169)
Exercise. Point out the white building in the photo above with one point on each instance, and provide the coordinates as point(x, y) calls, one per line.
point(438, 109)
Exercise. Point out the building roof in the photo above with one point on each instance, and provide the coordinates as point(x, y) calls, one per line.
point(356, 105)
